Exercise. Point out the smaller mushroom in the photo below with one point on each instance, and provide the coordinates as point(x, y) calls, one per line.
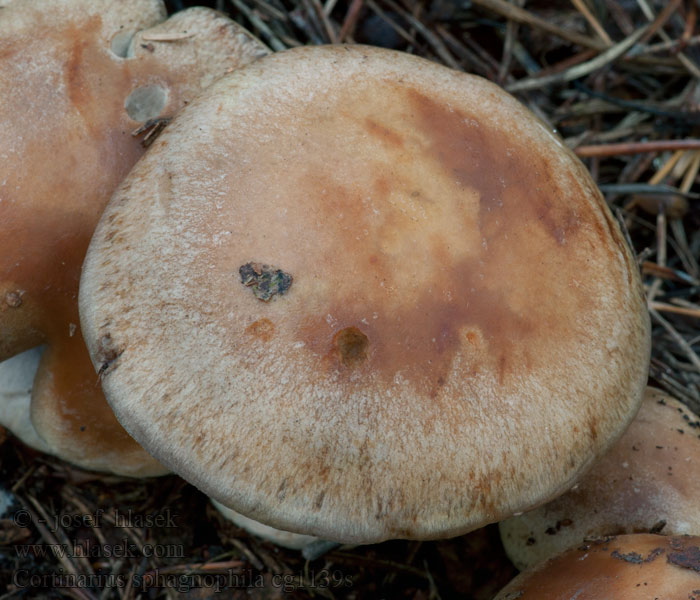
point(627, 567)
point(648, 482)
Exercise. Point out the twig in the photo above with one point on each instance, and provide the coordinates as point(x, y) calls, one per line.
point(329, 6)
point(68, 494)
point(275, 43)
point(645, 188)
point(651, 268)
point(690, 263)
point(520, 15)
point(468, 57)
point(413, 551)
point(434, 41)
point(665, 46)
point(592, 21)
point(636, 147)
point(621, 16)
point(193, 568)
point(338, 556)
point(685, 118)
point(691, 173)
point(691, 67)
point(678, 338)
point(679, 310)
point(580, 70)
point(351, 17)
point(389, 21)
point(660, 252)
point(661, 174)
point(625, 230)
point(23, 478)
point(661, 19)
point(690, 23)
point(569, 62)
point(662, 374)
point(323, 23)
point(248, 553)
point(271, 11)
point(508, 45)
point(49, 539)
point(112, 582)
point(434, 592)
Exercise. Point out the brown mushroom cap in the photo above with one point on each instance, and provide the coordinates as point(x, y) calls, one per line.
point(353, 294)
point(76, 79)
point(628, 567)
point(649, 481)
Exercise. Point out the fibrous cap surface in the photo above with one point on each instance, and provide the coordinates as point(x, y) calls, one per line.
point(357, 295)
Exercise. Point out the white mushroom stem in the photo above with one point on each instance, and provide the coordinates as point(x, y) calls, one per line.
point(286, 539)
point(16, 378)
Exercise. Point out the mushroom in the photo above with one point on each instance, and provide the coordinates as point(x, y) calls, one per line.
point(77, 79)
point(647, 482)
point(617, 568)
point(353, 294)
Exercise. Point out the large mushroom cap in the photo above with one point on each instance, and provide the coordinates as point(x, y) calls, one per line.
point(627, 567)
point(77, 77)
point(354, 294)
point(649, 481)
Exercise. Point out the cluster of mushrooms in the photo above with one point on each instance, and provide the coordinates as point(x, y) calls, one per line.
point(349, 294)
